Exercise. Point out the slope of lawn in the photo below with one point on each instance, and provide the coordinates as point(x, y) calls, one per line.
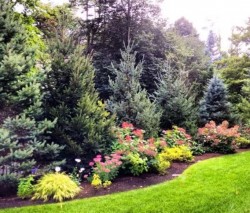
point(215, 185)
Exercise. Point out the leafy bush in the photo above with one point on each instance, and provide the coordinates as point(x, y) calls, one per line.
point(96, 181)
point(136, 151)
point(243, 142)
point(25, 187)
point(56, 186)
point(178, 136)
point(219, 138)
point(137, 164)
point(162, 164)
point(177, 153)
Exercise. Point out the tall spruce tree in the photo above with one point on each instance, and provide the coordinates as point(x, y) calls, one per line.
point(83, 124)
point(129, 102)
point(23, 140)
point(177, 100)
point(215, 106)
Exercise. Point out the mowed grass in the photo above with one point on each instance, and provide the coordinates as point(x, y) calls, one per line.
point(215, 185)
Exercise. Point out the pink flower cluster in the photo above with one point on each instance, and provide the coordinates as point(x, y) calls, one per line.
point(219, 133)
point(111, 162)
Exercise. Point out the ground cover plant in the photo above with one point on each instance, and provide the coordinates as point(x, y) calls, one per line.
point(200, 186)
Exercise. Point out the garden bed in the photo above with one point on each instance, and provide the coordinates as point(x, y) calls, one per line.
point(120, 184)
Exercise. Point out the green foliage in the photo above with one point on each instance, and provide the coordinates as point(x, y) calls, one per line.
point(243, 142)
point(128, 101)
point(56, 186)
point(138, 165)
point(26, 187)
point(215, 106)
point(177, 100)
point(83, 124)
point(162, 164)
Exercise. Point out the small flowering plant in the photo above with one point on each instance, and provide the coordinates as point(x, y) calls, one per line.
point(179, 137)
point(136, 151)
point(219, 138)
point(106, 167)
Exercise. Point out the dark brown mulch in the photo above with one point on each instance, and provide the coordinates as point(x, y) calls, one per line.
point(119, 185)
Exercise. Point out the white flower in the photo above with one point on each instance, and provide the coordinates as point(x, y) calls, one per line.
point(58, 169)
point(77, 160)
point(81, 170)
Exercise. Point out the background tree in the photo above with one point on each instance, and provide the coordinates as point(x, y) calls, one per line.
point(213, 46)
point(215, 106)
point(114, 23)
point(129, 102)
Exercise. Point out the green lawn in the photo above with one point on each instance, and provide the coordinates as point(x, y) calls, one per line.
point(215, 185)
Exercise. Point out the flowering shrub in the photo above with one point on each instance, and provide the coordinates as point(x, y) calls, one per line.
point(219, 138)
point(107, 168)
point(178, 136)
point(243, 142)
point(137, 152)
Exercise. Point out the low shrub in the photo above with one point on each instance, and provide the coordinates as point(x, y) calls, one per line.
point(178, 153)
point(178, 136)
point(243, 142)
point(26, 187)
point(56, 186)
point(137, 164)
point(162, 164)
point(219, 138)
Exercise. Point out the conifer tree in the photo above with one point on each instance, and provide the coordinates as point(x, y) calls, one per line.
point(129, 102)
point(23, 143)
point(215, 106)
point(177, 100)
point(83, 124)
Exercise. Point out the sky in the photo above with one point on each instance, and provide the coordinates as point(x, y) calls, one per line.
point(219, 15)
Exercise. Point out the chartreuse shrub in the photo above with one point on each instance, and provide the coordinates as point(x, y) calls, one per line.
point(169, 154)
point(244, 140)
point(56, 186)
point(219, 138)
point(26, 187)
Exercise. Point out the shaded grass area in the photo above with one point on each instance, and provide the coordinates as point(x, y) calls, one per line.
point(215, 185)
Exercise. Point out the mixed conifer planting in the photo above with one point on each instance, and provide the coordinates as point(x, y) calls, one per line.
point(78, 106)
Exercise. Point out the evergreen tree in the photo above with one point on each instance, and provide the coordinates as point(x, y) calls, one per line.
point(215, 106)
point(129, 102)
point(213, 49)
point(175, 96)
point(83, 124)
point(23, 143)
point(244, 105)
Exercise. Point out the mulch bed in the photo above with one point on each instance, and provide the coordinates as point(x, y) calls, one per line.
point(120, 184)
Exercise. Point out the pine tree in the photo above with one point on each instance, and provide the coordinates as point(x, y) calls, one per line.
point(129, 102)
point(215, 106)
point(83, 124)
point(177, 100)
point(213, 44)
point(244, 105)
point(23, 143)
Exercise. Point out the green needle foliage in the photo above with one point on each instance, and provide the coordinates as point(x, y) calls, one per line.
point(83, 124)
point(215, 106)
point(129, 102)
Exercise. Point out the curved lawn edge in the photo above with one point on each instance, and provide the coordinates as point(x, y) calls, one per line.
point(220, 184)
